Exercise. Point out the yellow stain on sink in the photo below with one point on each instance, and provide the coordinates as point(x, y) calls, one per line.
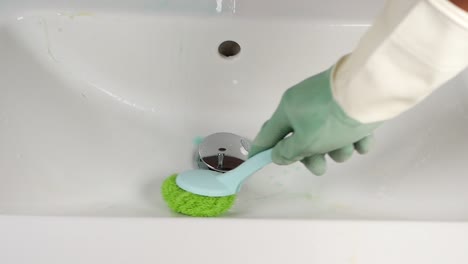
point(310, 196)
point(78, 14)
point(353, 259)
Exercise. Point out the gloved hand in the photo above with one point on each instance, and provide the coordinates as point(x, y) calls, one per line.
point(318, 125)
point(394, 66)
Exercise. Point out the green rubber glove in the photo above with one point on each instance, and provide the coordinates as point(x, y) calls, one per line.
point(318, 125)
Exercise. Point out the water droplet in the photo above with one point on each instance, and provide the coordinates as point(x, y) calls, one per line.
point(219, 6)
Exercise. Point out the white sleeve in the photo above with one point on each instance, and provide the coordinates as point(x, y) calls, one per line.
point(412, 48)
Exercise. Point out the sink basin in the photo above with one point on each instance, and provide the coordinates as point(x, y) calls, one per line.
point(98, 104)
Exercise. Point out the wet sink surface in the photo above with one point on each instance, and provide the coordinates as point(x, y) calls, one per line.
point(97, 108)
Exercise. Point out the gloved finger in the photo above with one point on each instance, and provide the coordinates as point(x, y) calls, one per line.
point(288, 150)
point(342, 154)
point(316, 164)
point(364, 145)
point(272, 131)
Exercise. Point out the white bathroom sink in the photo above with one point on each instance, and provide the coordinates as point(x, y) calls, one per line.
point(100, 102)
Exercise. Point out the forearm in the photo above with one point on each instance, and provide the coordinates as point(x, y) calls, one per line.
point(412, 48)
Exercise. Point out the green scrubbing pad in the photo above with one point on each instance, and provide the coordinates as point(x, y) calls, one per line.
point(192, 204)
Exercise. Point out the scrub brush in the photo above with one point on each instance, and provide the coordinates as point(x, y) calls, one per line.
point(209, 193)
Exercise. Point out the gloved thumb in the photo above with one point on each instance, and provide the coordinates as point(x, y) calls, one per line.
point(289, 150)
point(272, 131)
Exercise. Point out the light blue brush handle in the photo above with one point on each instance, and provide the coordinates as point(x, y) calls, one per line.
point(216, 184)
point(237, 176)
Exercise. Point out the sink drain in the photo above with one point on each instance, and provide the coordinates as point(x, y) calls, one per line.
point(229, 49)
point(222, 152)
